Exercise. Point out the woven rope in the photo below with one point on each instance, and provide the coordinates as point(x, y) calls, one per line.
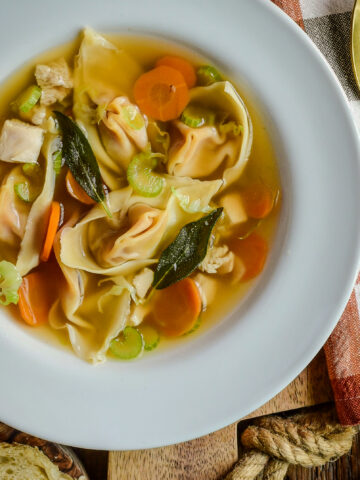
point(275, 470)
point(273, 443)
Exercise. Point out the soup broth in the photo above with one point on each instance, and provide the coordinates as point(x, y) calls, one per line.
point(96, 290)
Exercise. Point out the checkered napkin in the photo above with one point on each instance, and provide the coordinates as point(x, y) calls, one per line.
point(328, 24)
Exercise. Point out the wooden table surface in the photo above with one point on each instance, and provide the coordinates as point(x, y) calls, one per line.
point(210, 457)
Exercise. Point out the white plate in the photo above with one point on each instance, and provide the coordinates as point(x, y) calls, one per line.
point(219, 377)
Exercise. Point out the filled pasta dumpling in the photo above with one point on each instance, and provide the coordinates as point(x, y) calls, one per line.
point(222, 143)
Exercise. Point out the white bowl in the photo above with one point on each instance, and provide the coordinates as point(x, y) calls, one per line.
point(218, 377)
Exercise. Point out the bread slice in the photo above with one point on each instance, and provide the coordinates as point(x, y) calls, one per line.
point(22, 462)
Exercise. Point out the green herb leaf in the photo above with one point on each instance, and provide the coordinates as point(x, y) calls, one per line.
point(186, 252)
point(81, 160)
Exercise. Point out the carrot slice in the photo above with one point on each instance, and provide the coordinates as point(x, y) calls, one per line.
point(53, 223)
point(161, 93)
point(253, 252)
point(258, 200)
point(34, 303)
point(76, 191)
point(182, 66)
point(176, 308)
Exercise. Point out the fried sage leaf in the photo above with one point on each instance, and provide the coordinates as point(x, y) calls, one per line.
point(80, 159)
point(186, 252)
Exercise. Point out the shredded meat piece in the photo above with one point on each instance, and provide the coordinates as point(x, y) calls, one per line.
point(218, 260)
point(142, 282)
point(55, 80)
point(20, 142)
point(37, 115)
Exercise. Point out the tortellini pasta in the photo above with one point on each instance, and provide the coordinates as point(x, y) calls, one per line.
point(123, 130)
point(137, 231)
point(91, 325)
point(200, 152)
point(22, 225)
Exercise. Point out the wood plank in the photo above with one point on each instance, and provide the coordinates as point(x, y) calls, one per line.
point(95, 462)
point(208, 458)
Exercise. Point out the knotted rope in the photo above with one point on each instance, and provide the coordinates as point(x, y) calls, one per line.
point(273, 443)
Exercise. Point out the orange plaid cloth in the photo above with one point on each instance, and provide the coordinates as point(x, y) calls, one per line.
point(342, 352)
point(328, 24)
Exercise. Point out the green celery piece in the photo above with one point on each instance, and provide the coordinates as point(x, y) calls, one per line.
point(128, 345)
point(195, 116)
point(22, 190)
point(28, 99)
point(141, 177)
point(150, 335)
point(207, 75)
point(10, 281)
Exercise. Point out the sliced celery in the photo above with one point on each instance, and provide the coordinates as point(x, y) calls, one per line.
point(195, 327)
point(22, 190)
point(195, 116)
point(132, 117)
point(207, 75)
point(31, 169)
point(57, 161)
point(150, 335)
point(141, 177)
point(10, 281)
point(129, 344)
point(28, 99)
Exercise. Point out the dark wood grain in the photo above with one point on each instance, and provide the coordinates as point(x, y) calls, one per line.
point(95, 462)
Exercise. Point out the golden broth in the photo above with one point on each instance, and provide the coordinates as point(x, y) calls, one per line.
point(261, 164)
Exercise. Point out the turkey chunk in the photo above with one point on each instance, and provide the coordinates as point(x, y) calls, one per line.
point(142, 282)
point(234, 207)
point(208, 287)
point(218, 260)
point(20, 142)
point(55, 80)
point(37, 115)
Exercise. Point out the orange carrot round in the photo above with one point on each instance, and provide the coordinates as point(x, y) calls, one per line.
point(258, 200)
point(76, 191)
point(177, 308)
point(182, 66)
point(253, 252)
point(34, 304)
point(53, 223)
point(161, 93)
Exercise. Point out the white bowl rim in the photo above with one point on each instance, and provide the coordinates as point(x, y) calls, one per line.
point(74, 427)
